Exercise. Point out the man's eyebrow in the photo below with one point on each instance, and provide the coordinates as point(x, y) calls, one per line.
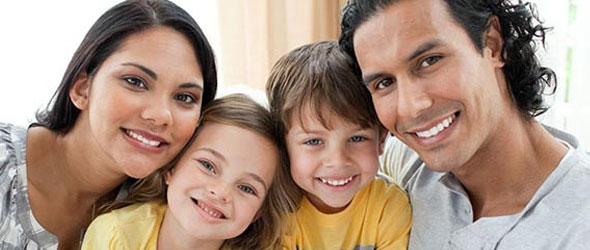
point(145, 69)
point(425, 47)
point(368, 79)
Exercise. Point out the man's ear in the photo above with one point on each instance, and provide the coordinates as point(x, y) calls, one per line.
point(80, 92)
point(493, 41)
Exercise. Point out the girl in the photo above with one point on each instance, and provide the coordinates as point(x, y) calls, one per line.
point(129, 101)
point(229, 190)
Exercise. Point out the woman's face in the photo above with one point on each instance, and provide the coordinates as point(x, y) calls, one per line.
point(144, 102)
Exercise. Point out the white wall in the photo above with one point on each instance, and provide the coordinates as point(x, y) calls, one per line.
point(39, 38)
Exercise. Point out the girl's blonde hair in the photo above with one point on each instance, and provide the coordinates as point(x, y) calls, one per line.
point(267, 230)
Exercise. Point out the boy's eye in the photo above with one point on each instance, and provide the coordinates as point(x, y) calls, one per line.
point(247, 189)
point(135, 82)
point(313, 142)
point(186, 98)
point(357, 138)
point(208, 166)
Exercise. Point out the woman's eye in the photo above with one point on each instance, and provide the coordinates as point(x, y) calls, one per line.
point(429, 61)
point(383, 83)
point(208, 166)
point(313, 142)
point(247, 189)
point(186, 99)
point(357, 138)
point(136, 82)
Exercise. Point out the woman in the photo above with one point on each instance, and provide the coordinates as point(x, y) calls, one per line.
point(128, 103)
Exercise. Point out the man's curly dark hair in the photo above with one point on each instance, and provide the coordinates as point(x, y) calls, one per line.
point(521, 29)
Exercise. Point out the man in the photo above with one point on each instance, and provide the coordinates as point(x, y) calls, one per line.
point(458, 82)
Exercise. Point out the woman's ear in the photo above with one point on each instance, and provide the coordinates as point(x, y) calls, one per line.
point(168, 176)
point(80, 92)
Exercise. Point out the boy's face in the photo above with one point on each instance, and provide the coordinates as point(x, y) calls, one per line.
point(220, 183)
point(331, 165)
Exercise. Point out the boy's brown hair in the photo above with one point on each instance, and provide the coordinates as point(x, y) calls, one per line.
point(322, 76)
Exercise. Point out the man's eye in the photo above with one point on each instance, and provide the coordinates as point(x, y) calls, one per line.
point(429, 61)
point(313, 142)
point(135, 82)
point(383, 83)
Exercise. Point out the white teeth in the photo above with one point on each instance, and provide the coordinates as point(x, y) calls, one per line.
point(143, 139)
point(336, 182)
point(437, 128)
point(209, 211)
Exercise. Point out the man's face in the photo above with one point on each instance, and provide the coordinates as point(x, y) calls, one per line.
point(431, 87)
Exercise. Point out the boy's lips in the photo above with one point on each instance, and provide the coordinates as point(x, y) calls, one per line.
point(336, 181)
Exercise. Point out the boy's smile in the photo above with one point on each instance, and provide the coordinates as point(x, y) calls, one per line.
point(331, 164)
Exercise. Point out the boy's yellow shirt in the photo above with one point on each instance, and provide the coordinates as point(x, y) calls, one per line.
point(378, 217)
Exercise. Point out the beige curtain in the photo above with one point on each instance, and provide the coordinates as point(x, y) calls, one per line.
point(256, 33)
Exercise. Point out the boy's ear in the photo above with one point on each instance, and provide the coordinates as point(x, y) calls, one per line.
point(80, 92)
point(493, 41)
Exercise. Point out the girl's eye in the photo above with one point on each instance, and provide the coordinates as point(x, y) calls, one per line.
point(186, 99)
point(208, 166)
point(313, 142)
point(429, 61)
point(357, 138)
point(383, 83)
point(247, 189)
point(135, 82)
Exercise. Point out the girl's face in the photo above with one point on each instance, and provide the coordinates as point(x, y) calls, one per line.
point(144, 102)
point(219, 184)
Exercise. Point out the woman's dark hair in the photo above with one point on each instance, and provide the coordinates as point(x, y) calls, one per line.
point(106, 36)
point(521, 31)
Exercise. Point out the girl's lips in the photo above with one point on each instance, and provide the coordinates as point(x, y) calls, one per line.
point(209, 211)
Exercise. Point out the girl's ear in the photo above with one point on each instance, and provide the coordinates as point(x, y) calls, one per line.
point(80, 92)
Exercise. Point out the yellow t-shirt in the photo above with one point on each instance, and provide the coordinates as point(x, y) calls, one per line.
point(128, 228)
point(378, 217)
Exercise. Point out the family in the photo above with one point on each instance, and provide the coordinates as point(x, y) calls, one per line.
point(416, 130)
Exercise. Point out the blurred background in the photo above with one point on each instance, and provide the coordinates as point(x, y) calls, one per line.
point(39, 38)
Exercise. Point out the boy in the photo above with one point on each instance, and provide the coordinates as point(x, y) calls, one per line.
point(334, 139)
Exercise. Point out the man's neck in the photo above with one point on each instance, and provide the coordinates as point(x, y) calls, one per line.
point(504, 175)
